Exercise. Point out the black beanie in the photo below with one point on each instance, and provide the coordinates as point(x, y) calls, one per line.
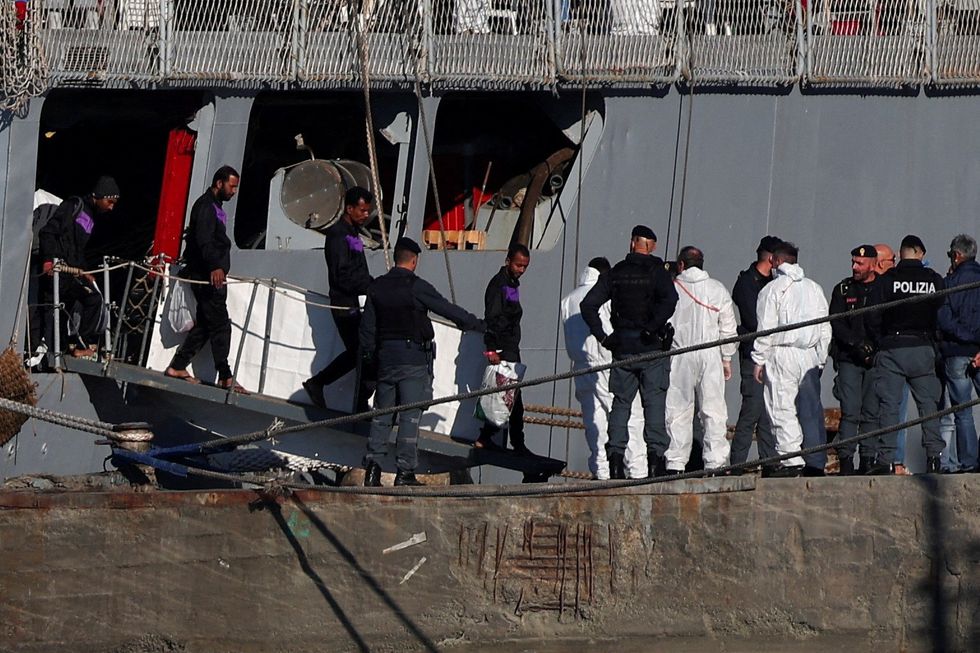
point(105, 187)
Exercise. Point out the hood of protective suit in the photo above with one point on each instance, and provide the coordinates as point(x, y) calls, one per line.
point(791, 270)
point(693, 275)
point(588, 276)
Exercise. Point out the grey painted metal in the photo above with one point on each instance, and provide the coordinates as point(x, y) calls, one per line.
point(270, 311)
point(56, 312)
point(248, 320)
point(107, 295)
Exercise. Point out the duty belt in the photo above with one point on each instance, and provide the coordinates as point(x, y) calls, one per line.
point(408, 344)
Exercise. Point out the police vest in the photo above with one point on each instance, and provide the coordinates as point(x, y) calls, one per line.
point(633, 284)
point(398, 318)
point(917, 318)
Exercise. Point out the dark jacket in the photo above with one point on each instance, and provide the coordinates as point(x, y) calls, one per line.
point(347, 268)
point(959, 316)
point(502, 304)
point(745, 294)
point(208, 246)
point(67, 233)
point(643, 299)
point(386, 318)
point(852, 333)
point(909, 325)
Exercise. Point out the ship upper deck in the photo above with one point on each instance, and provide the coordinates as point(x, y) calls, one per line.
point(487, 44)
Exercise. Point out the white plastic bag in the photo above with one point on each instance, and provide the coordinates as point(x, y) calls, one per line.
point(183, 307)
point(495, 408)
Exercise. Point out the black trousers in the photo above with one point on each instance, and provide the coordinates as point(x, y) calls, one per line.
point(348, 325)
point(211, 323)
point(515, 427)
point(70, 291)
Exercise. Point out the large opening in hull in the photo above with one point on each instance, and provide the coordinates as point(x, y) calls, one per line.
point(333, 129)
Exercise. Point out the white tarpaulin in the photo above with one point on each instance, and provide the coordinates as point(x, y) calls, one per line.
point(303, 340)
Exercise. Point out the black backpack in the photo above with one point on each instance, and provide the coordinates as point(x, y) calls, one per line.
point(43, 215)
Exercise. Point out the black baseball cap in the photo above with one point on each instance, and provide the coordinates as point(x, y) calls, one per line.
point(643, 231)
point(768, 243)
point(867, 251)
point(406, 243)
point(913, 242)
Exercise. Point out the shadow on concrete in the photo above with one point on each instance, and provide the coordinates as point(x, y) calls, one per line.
point(372, 583)
point(276, 511)
point(935, 531)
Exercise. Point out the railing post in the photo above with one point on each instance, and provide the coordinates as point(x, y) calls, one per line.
point(425, 73)
point(122, 310)
point(807, 40)
point(163, 37)
point(681, 64)
point(106, 297)
point(57, 315)
point(248, 319)
point(802, 44)
point(297, 44)
point(932, 40)
point(270, 311)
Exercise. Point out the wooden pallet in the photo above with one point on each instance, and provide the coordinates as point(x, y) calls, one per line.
point(455, 239)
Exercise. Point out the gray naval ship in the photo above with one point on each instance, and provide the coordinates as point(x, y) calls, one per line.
point(559, 124)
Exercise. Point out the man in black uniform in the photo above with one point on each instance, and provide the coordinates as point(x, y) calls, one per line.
point(643, 299)
point(907, 353)
point(208, 258)
point(503, 312)
point(853, 351)
point(396, 330)
point(348, 276)
point(64, 237)
point(752, 416)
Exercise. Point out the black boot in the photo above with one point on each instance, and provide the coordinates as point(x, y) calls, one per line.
point(880, 469)
point(407, 479)
point(656, 465)
point(617, 469)
point(372, 475)
point(786, 472)
point(847, 466)
point(933, 465)
point(865, 465)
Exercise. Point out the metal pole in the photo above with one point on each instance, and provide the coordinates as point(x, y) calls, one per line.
point(108, 304)
point(149, 319)
point(57, 315)
point(270, 310)
point(248, 319)
point(122, 308)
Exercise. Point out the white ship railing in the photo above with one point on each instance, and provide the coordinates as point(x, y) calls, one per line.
point(488, 43)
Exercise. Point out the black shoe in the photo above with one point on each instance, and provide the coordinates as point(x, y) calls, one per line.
point(372, 475)
point(813, 472)
point(865, 465)
point(847, 466)
point(314, 390)
point(738, 471)
point(407, 479)
point(933, 466)
point(521, 450)
point(656, 465)
point(672, 472)
point(768, 470)
point(617, 470)
point(880, 469)
point(786, 472)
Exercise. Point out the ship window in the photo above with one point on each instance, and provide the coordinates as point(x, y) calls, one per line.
point(501, 162)
point(332, 128)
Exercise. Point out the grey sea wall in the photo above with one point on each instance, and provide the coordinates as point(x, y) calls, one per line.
point(885, 563)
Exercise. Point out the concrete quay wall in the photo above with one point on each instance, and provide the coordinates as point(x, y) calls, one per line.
point(888, 563)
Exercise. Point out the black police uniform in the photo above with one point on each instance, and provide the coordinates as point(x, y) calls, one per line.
point(752, 415)
point(208, 249)
point(853, 351)
point(643, 299)
point(395, 327)
point(348, 276)
point(906, 340)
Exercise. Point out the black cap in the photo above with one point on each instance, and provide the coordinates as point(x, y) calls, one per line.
point(867, 251)
point(406, 243)
point(643, 231)
point(768, 243)
point(913, 242)
point(105, 187)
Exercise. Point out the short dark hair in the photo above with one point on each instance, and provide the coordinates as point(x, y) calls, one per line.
point(518, 248)
point(691, 257)
point(787, 251)
point(600, 263)
point(355, 194)
point(224, 173)
point(403, 254)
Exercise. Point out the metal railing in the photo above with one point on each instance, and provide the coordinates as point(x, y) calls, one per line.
point(495, 43)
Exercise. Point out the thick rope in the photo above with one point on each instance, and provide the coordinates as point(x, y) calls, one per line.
point(94, 427)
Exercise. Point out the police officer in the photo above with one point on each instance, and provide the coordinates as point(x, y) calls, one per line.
point(348, 276)
point(853, 351)
point(907, 353)
point(752, 415)
point(396, 333)
point(643, 299)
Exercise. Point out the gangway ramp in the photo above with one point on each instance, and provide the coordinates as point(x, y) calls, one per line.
point(463, 454)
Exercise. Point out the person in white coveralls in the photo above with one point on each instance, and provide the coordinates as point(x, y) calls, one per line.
point(790, 362)
point(592, 390)
point(704, 313)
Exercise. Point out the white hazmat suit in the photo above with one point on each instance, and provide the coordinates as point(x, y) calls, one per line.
point(704, 313)
point(592, 390)
point(789, 356)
